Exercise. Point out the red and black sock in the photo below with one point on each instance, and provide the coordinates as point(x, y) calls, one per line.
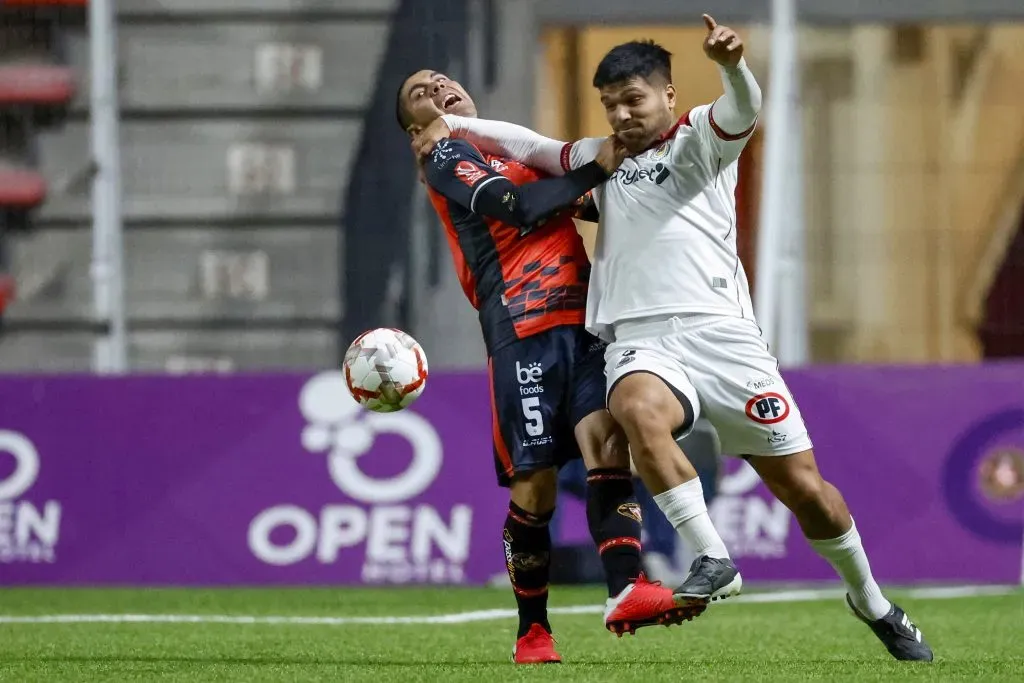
point(527, 543)
point(614, 518)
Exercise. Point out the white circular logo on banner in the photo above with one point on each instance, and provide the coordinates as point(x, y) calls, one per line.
point(339, 426)
point(26, 467)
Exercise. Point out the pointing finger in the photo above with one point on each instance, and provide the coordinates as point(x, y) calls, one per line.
point(720, 35)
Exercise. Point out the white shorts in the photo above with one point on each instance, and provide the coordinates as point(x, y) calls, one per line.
point(724, 369)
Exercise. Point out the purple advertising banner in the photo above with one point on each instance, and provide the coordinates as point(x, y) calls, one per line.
point(929, 459)
point(284, 480)
point(249, 480)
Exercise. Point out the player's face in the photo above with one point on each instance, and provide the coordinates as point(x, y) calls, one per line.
point(429, 94)
point(639, 111)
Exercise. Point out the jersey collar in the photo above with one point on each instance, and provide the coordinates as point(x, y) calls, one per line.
point(684, 120)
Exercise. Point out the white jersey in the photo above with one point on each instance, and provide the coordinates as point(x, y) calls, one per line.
point(667, 238)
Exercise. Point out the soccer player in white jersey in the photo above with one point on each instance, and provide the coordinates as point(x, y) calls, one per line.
point(669, 294)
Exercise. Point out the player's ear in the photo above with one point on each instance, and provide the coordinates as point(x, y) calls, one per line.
point(414, 130)
point(670, 96)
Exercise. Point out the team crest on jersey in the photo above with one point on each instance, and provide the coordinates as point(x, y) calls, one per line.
point(661, 151)
point(469, 173)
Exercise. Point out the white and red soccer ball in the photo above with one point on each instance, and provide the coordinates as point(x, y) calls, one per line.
point(385, 370)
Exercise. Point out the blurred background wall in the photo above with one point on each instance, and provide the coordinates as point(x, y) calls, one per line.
point(271, 209)
point(914, 142)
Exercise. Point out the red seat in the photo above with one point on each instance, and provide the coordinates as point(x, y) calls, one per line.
point(43, 3)
point(21, 188)
point(7, 291)
point(36, 84)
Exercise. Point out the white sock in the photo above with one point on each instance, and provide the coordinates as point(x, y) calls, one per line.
point(846, 555)
point(684, 507)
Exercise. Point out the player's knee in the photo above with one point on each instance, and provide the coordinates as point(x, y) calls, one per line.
point(644, 424)
point(535, 491)
point(602, 442)
point(614, 451)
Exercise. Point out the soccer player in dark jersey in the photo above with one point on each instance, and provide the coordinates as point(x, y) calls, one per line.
point(523, 266)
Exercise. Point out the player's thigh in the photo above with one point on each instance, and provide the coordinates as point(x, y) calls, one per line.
point(649, 390)
point(600, 439)
point(528, 388)
point(742, 392)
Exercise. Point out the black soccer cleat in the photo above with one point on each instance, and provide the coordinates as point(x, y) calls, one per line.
point(710, 578)
point(898, 633)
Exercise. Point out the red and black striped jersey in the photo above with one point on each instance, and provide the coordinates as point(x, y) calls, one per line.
point(522, 279)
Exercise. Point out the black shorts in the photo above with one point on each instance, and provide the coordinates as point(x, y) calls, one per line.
point(541, 387)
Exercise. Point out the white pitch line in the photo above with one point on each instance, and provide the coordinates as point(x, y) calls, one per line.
point(937, 593)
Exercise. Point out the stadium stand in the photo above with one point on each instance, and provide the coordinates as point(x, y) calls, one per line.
point(36, 86)
point(239, 122)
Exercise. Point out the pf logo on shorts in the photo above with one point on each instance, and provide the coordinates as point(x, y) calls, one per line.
point(768, 408)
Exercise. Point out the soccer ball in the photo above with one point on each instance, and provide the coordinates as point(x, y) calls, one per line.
point(385, 369)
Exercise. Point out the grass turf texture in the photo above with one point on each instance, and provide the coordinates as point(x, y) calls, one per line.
point(974, 638)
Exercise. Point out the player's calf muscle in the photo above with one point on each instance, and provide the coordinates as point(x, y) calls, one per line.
point(818, 506)
point(827, 517)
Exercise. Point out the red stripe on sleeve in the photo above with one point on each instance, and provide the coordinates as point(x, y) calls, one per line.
point(728, 137)
point(567, 156)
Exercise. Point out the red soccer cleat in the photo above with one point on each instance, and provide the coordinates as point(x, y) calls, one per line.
point(536, 647)
point(643, 603)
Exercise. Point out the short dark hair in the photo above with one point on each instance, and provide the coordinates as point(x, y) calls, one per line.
point(401, 112)
point(635, 59)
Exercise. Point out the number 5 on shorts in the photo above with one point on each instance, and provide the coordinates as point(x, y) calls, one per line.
point(534, 418)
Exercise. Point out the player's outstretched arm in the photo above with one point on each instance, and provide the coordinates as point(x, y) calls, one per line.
point(516, 142)
point(456, 170)
point(509, 140)
point(732, 117)
point(736, 111)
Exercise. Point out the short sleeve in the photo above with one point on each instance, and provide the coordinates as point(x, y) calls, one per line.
point(580, 153)
point(722, 145)
point(457, 170)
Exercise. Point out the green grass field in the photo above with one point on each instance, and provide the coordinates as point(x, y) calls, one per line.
point(979, 638)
